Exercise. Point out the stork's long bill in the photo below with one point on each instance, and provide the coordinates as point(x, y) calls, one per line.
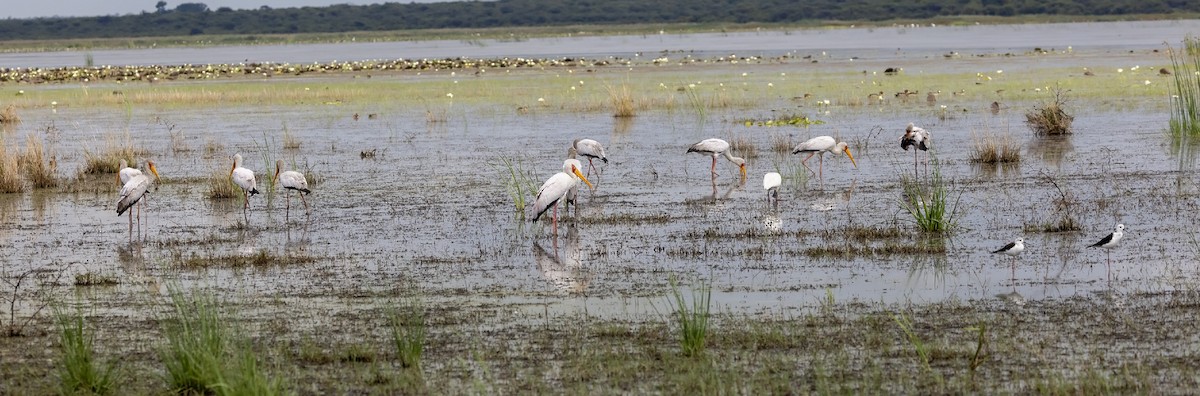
point(582, 177)
point(742, 167)
point(847, 150)
point(154, 169)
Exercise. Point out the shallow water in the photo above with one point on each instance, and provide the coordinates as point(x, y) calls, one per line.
point(890, 43)
point(429, 209)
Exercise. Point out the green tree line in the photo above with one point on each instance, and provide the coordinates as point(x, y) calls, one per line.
point(196, 18)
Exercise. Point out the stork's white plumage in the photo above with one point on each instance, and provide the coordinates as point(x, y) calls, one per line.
point(125, 173)
point(556, 188)
point(243, 178)
point(915, 136)
point(818, 146)
point(716, 148)
point(291, 181)
point(590, 149)
point(771, 183)
point(132, 192)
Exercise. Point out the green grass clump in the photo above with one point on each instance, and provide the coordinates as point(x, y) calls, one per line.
point(79, 371)
point(408, 334)
point(1185, 99)
point(692, 321)
point(928, 201)
point(518, 182)
point(204, 356)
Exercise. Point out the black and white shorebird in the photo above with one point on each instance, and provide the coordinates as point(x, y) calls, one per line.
point(1110, 241)
point(915, 136)
point(1012, 249)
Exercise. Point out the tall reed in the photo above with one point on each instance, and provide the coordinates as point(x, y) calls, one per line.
point(518, 181)
point(1185, 92)
point(39, 166)
point(10, 171)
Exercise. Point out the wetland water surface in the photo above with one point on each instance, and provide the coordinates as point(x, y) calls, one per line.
point(430, 208)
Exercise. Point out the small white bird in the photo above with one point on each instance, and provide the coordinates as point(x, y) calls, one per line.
point(1012, 249)
point(291, 180)
point(716, 148)
point(590, 149)
point(771, 183)
point(132, 192)
point(819, 145)
point(556, 188)
point(1110, 241)
point(244, 178)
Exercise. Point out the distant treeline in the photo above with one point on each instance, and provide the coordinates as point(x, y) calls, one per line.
point(196, 18)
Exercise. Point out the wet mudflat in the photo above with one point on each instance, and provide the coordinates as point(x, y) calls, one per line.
point(833, 289)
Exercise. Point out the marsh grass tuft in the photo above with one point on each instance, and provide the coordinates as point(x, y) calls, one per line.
point(518, 181)
point(622, 100)
point(262, 258)
point(79, 371)
point(1064, 210)
point(1185, 99)
point(38, 165)
point(220, 186)
point(10, 171)
point(928, 201)
point(994, 149)
point(9, 115)
point(1051, 118)
point(95, 279)
point(196, 341)
point(744, 146)
point(692, 321)
point(408, 334)
point(204, 356)
point(108, 160)
point(290, 141)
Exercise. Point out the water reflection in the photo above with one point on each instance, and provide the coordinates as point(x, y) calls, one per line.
point(1050, 149)
point(622, 125)
point(563, 268)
